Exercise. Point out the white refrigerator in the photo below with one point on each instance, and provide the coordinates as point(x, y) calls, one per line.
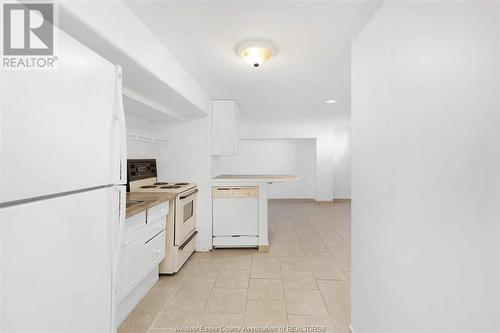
point(62, 193)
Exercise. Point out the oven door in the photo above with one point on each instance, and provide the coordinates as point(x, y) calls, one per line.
point(185, 216)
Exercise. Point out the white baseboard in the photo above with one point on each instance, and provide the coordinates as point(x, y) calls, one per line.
point(351, 329)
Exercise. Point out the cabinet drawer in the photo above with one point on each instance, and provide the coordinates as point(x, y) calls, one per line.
point(154, 252)
point(154, 213)
point(155, 227)
point(135, 222)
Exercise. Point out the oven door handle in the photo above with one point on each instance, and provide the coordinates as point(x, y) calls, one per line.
point(188, 195)
point(188, 240)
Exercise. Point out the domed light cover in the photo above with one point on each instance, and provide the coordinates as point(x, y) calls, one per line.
point(256, 51)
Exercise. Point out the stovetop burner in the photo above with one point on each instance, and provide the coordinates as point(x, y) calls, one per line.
point(181, 183)
point(170, 186)
point(161, 183)
point(148, 186)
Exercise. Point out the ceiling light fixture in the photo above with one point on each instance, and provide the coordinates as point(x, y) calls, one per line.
point(330, 101)
point(256, 51)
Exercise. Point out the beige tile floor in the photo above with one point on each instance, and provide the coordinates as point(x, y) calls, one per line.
point(304, 279)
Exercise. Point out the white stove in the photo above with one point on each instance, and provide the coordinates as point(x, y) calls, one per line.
point(153, 185)
point(181, 221)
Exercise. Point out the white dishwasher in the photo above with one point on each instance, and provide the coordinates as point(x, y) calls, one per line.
point(235, 216)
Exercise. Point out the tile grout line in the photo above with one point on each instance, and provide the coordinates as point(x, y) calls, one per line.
point(321, 293)
point(162, 309)
point(324, 244)
point(315, 279)
point(211, 292)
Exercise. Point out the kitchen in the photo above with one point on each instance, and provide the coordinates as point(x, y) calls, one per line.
point(189, 166)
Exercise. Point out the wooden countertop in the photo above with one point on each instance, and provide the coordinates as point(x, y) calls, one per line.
point(254, 179)
point(150, 200)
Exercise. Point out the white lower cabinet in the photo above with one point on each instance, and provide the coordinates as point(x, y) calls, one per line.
point(142, 249)
point(131, 266)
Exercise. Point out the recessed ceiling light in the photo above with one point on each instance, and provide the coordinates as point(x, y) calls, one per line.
point(256, 51)
point(330, 101)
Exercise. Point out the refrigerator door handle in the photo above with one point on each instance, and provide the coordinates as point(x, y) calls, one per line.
point(118, 224)
point(119, 117)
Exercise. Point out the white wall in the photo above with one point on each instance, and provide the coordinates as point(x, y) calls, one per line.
point(188, 159)
point(425, 169)
point(332, 157)
point(323, 135)
point(342, 160)
point(136, 125)
point(276, 156)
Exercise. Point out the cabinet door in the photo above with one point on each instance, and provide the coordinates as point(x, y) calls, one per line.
point(155, 252)
point(236, 132)
point(223, 127)
point(131, 269)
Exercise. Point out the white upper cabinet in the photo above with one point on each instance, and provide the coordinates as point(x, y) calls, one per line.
point(225, 127)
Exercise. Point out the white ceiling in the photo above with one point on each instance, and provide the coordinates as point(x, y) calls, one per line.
point(312, 64)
